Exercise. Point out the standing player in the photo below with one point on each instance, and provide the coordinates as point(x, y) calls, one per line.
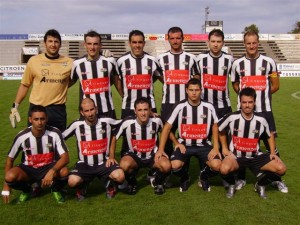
point(96, 152)
point(142, 135)
point(49, 75)
point(138, 71)
point(246, 128)
point(215, 66)
point(38, 143)
point(178, 67)
point(198, 136)
point(259, 72)
point(96, 73)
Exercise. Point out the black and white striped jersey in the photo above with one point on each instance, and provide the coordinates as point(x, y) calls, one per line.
point(244, 135)
point(38, 151)
point(93, 142)
point(142, 139)
point(177, 70)
point(137, 75)
point(95, 80)
point(214, 78)
point(255, 73)
point(194, 123)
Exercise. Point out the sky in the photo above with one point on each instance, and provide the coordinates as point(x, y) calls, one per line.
point(149, 16)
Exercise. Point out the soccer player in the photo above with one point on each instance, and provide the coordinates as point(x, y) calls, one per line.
point(142, 135)
point(96, 152)
point(198, 136)
point(38, 144)
point(96, 73)
point(259, 72)
point(49, 75)
point(246, 127)
point(215, 66)
point(178, 67)
point(138, 71)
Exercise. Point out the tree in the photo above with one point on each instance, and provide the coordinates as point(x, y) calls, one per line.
point(251, 27)
point(296, 29)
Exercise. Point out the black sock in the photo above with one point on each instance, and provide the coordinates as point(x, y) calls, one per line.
point(160, 177)
point(20, 185)
point(229, 178)
point(241, 174)
point(59, 183)
point(207, 173)
point(182, 173)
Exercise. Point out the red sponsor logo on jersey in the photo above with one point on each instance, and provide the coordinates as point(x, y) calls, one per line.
point(93, 147)
point(143, 145)
point(40, 160)
point(245, 144)
point(194, 131)
point(258, 83)
point(177, 76)
point(95, 86)
point(138, 82)
point(214, 82)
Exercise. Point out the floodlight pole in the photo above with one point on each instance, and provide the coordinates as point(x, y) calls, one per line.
point(205, 19)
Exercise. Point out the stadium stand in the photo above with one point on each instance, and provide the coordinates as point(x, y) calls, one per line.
point(11, 51)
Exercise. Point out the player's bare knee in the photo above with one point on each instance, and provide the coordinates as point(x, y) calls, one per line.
point(176, 164)
point(118, 175)
point(74, 180)
point(64, 172)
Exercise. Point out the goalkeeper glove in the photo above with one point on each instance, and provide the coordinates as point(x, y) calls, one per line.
point(14, 115)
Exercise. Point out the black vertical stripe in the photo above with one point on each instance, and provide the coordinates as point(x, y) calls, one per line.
point(225, 72)
point(39, 145)
point(166, 67)
point(194, 121)
point(144, 137)
point(127, 72)
point(235, 132)
point(215, 71)
point(94, 137)
point(83, 138)
point(176, 67)
point(205, 71)
point(133, 136)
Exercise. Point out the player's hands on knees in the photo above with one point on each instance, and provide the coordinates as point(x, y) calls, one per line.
point(275, 157)
point(159, 155)
point(48, 178)
point(110, 162)
point(14, 115)
point(181, 147)
point(213, 153)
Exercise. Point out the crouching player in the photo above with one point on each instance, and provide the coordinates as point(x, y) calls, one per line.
point(142, 135)
point(96, 153)
point(38, 143)
point(245, 129)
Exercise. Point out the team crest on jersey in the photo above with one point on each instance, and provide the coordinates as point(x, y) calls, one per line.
point(49, 146)
point(203, 116)
point(103, 70)
point(255, 131)
point(262, 68)
point(102, 131)
point(147, 67)
point(224, 68)
point(185, 63)
point(236, 130)
point(64, 64)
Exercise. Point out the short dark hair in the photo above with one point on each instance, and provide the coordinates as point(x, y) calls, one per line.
point(248, 91)
point(53, 33)
point(193, 81)
point(136, 33)
point(92, 33)
point(250, 33)
point(175, 30)
point(216, 32)
point(142, 100)
point(37, 108)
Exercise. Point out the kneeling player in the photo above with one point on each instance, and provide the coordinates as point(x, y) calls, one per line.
point(142, 135)
point(245, 128)
point(96, 153)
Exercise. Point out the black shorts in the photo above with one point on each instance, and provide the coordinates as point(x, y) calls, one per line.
point(271, 121)
point(255, 163)
point(88, 173)
point(200, 152)
point(223, 111)
point(142, 163)
point(36, 174)
point(57, 116)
